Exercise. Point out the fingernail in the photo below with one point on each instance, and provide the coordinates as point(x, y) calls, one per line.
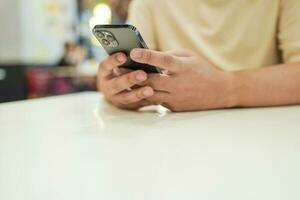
point(140, 77)
point(147, 92)
point(136, 53)
point(121, 58)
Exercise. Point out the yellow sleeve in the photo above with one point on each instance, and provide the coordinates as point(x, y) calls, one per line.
point(289, 30)
point(141, 16)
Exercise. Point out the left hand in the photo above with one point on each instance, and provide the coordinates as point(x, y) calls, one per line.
point(192, 83)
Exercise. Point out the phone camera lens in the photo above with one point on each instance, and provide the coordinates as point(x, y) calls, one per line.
point(100, 34)
point(105, 42)
point(110, 38)
point(114, 43)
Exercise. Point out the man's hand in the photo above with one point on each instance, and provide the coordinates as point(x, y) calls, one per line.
point(191, 84)
point(116, 84)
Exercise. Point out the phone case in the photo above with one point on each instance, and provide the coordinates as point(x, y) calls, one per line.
point(123, 38)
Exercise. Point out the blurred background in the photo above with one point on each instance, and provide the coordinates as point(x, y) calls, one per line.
point(47, 47)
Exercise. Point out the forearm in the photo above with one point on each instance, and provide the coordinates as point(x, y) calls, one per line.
point(269, 86)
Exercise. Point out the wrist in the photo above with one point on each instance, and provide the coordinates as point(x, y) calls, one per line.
point(231, 93)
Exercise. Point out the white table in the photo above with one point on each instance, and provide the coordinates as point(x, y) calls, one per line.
point(77, 147)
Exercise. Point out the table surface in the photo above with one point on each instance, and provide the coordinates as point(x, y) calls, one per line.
point(77, 147)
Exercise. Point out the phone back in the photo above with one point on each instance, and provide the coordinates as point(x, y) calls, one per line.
point(122, 38)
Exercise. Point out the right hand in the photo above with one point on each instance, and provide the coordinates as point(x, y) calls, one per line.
point(116, 83)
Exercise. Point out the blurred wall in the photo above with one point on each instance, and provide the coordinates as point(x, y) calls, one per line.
point(10, 46)
point(34, 31)
point(46, 26)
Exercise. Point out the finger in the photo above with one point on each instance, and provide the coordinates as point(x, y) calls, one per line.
point(158, 82)
point(159, 59)
point(134, 96)
point(124, 70)
point(111, 62)
point(134, 106)
point(123, 82)
point(159, 98)
point(120, 71)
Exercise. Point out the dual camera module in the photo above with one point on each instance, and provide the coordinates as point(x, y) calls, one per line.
point(107, 38)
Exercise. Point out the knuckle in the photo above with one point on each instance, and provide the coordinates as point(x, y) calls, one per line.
point(130, 78)
point(132, 97)
point(139, 95)
point(168, 59)
point(147, 56)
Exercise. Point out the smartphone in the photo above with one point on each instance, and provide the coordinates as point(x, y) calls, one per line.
point(123, 38)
